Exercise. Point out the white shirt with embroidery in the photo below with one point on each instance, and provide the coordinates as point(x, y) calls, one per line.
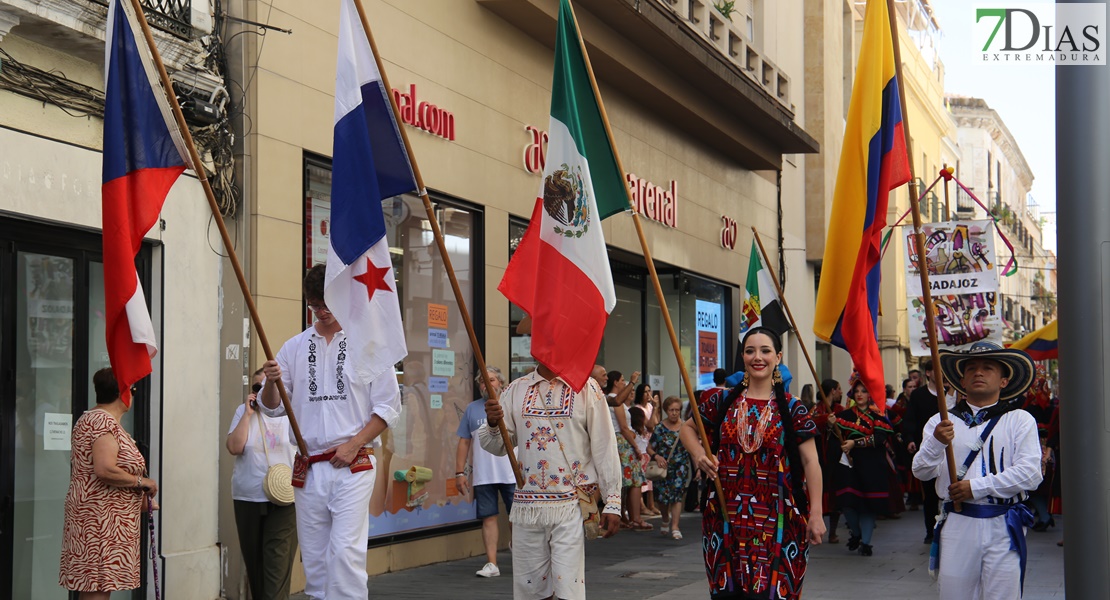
point(328, 408)
point(561, 438)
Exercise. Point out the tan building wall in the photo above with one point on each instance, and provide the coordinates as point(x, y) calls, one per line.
point(480, 61)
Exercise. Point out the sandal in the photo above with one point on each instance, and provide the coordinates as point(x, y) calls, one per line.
point(626, 525)
point(641, 526)
point(676, 534)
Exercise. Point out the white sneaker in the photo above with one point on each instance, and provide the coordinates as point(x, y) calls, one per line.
point(490, 570)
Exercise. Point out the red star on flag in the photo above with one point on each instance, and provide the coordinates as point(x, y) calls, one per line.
point(374, 279)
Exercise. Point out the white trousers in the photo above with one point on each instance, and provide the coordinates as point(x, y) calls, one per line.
point(333, 520)
point(976, 562)
point(549, 560)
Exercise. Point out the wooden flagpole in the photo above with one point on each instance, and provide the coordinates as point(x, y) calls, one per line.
point(651, 267)
point(919, 245)
point(438, 233)
point(198, 168)
point(789, 314)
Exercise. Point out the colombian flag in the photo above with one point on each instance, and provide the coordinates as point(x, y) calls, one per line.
point(873, 162)
point(1042, 344)
point(144, 154)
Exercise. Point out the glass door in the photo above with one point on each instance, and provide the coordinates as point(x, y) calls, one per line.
point(51, 342)
point(44, 358)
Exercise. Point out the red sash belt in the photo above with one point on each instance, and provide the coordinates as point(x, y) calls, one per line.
point(301, 464)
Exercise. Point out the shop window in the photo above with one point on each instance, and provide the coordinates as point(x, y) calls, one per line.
point(520, 344)
point(437, 375)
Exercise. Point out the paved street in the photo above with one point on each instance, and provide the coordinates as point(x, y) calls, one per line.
point(647, 566)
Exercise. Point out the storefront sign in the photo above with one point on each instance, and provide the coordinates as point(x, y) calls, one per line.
point(437, 316)
point(728, 232)
point(535, 152)
point(424, 115)
point(56, 430)
point(710, 347)
point(654, 202)
point(437, 338)
point(443, 363)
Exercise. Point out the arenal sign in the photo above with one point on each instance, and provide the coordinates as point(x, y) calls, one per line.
point(655, 202)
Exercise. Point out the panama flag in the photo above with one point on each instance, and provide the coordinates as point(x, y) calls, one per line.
point(873, 161)
point(559, 273)
point(369, 164)
point(144, 154)
point(761, 306)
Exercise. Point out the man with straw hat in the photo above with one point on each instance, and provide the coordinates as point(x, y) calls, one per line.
point(982, 553)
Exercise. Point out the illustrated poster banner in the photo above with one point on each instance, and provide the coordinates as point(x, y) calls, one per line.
point(963, 277)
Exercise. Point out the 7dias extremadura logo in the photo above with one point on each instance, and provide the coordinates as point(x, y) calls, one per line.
point(1054, 34)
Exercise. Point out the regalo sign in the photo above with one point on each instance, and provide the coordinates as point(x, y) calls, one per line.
point(963, 279)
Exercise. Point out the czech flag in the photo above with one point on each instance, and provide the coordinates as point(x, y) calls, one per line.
point(1042, 344)
point(872, 163)
point(369, 165)
point(144, 154)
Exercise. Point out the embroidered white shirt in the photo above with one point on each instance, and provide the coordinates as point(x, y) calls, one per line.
point(328, 408)
point(561, 438)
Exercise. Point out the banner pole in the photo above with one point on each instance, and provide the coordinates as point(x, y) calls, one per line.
point(789, 314)
point(947, 206)
point(198, 168)
point(919, 246)
point(438, 234)
point(651, 268)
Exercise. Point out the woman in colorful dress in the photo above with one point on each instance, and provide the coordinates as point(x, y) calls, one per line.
point(665, 450)
point(766, 461)
point(822, 413)
point(863, 488)
point(107, 494)
point(632, 472)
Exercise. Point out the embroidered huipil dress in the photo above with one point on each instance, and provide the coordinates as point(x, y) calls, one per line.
point(763, 554)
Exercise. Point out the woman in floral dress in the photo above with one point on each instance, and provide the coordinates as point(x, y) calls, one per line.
point(768, 468)
point(671, 492)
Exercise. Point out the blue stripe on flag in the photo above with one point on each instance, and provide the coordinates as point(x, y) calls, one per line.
point(366, 143)
point(135, 133)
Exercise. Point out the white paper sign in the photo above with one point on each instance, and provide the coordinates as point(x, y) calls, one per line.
point(655, 381)
point(56, 430)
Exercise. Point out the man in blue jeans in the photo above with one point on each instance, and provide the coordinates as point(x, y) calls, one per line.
point(493, 475)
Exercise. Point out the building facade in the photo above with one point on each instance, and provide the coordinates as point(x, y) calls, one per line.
point(992, 166)
point(707, 112)
point(52, 310)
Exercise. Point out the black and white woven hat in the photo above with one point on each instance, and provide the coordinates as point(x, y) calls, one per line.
point(1017, 367)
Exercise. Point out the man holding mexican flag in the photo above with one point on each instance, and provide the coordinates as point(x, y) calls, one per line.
point(557, 416)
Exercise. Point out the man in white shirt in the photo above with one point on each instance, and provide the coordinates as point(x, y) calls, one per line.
point(492, 475)
point(564, 442)
point(341, 423)
point(981, 548)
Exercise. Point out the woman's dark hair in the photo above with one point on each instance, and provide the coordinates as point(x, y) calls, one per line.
point(104, 382)
point(613, 378)
point(638, 419)
point(793, 454)
point(639, 397)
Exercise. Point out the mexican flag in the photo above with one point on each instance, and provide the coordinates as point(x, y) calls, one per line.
point(559, 273)
point(761, 306)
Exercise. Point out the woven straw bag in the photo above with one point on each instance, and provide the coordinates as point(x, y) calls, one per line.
point(278, 482)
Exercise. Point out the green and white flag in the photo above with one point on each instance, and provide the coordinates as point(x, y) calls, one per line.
point(761, 306)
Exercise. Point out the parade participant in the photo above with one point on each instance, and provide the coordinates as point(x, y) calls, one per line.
point(981, 548)
point(823, 412)
point(341, 422)
point(492, 475)
point(766, 460)
point(921, 407)
point(565, 445)
point(863, 478)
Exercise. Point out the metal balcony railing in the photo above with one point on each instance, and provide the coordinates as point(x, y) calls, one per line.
point(172, 16)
